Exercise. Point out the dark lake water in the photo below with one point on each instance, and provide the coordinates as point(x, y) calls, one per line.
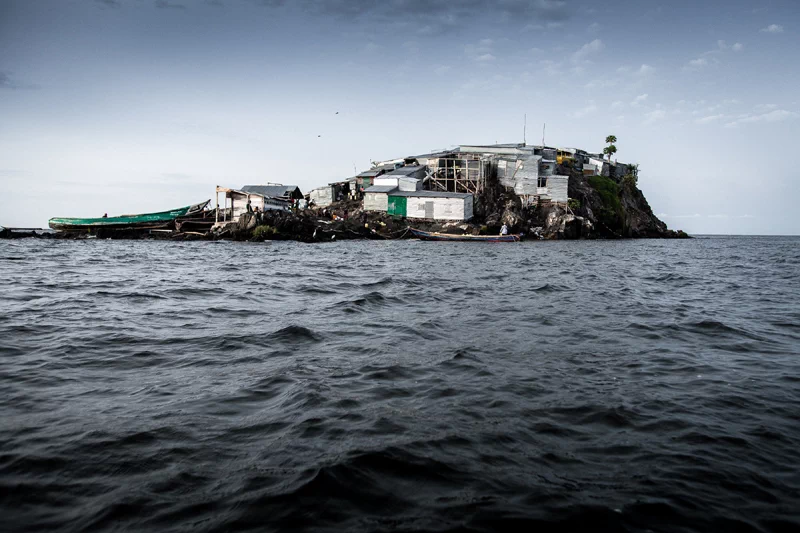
point(400, 386)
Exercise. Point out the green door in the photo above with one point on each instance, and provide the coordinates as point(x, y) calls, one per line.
point(397, 206)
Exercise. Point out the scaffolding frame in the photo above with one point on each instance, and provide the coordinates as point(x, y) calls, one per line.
point(462, 173)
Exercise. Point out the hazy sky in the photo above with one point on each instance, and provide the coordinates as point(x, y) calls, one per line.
point(125, 106)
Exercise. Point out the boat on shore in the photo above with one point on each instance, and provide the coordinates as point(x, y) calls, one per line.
point(161, 219)
point(434, 236)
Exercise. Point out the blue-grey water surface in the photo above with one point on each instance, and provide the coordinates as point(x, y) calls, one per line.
point(401, 386)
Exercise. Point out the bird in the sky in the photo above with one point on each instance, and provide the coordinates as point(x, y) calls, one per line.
point(337, 112)
point(319, 135)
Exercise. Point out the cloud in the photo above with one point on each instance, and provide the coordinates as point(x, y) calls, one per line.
point(585, 111)
point(588, 50)
point(109, 3)
point(7, 82)
point(776, 115)
point(722, 46)
point(697, 64)
point(481, 52)
point(645, 70)
point(166, 4)
point(712, 56)
point(772, 28)
point(550, 67)
point(654, 116)
point(618, 104)
point(709, 119)
point(600, 83)
point(594, 27)
point(437, 15)
point(411, 46)
point(639, 100)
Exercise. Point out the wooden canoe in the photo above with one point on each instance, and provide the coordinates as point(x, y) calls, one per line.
point(434, 236)
point(142, 221)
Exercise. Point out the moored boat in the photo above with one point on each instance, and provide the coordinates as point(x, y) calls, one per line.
point(141, 221)
point(434, 236)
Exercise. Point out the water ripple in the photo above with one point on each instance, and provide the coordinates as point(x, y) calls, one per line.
point(398, 386)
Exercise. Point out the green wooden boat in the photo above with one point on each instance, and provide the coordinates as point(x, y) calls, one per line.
point(143, 221)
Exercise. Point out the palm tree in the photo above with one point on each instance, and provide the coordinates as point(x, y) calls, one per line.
point(610, 149)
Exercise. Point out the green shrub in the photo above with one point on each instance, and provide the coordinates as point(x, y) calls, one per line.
point(610, 213)
point(574, 203)
point(264, 232)
point(630, 181)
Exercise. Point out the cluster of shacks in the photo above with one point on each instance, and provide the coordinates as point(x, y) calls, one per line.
point(441, 185)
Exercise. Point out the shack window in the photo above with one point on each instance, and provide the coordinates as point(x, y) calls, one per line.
point(542, 181)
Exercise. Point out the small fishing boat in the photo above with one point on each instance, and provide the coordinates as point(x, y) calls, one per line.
point(434, 236)
point(142, 221)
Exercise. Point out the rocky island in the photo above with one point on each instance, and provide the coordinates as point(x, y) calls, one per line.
point(537, 192)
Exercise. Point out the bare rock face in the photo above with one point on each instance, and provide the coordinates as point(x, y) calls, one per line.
point(563, 225)
point(247, 222)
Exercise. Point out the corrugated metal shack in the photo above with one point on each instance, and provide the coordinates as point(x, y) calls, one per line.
point(431, 205)
point(367, 178)
point(235, 203)
point(333, 192)
point(321, 196)
point(376, 198)
point(406, 178)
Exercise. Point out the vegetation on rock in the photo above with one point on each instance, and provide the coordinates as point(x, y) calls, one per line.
point(264, 232)
point(610, 211)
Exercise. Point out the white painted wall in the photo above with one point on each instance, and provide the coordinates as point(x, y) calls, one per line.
point(376, 201)
point(443, 208)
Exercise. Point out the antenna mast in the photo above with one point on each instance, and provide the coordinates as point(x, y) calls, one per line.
point(524, 128)
point(544, 127)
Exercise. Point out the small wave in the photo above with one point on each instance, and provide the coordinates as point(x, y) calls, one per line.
point(294, 334)
point(369, 301)
point(311, 289)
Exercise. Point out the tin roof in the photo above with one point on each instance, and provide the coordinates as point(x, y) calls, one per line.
point(404, 171)
point(275, 191)
point(371, 173)
point(381, 188)
point(431, 194)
